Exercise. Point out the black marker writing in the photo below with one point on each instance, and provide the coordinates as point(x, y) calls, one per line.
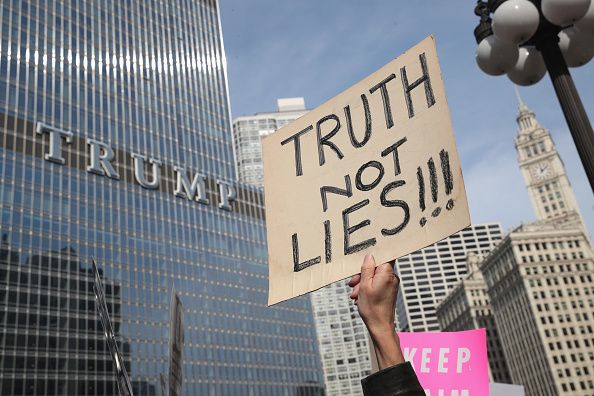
point(347, 191)
point(367, 187)
point(395, 203)
point(298, 266)
point(327, 241)
point(325, 140)
point(433, 179)
point(394, 150)
point(444, 156)
point(424, 79)
point(448, 180)
point(349, 123)
point(447, 176)
point(348, 230)
point(421, 181)
point(385, 98)
point(295, 138)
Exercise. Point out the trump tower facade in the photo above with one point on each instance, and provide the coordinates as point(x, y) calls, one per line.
point(116, 144)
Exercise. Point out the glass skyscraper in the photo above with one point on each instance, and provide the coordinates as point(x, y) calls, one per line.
point(116, 143)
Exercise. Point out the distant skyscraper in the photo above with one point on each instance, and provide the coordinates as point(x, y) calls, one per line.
point(427, 275)
point(116, 142)
point(540, 278)
point(344, 345)
point(468, 307)
point(249, 130)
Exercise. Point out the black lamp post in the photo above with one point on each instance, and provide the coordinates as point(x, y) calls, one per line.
point(533, 28)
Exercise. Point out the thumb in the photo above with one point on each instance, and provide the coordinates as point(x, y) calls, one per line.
point(367, 269)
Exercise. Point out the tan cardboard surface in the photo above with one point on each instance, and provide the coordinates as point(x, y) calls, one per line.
point(388, 182)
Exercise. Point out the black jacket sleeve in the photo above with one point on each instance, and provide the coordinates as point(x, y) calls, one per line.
point(399, 380)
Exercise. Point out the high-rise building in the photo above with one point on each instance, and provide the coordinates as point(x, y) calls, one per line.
point(539, 279)
point(344, 344)
point(116, 142)
point(249, 130)
point(427, 275)
point(468, 307)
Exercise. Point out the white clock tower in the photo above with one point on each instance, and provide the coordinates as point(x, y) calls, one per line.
point(544, 173)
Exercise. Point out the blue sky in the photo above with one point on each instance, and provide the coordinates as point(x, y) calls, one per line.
point(316, 49)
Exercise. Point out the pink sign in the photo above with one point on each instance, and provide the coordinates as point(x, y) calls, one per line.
point(449, 364)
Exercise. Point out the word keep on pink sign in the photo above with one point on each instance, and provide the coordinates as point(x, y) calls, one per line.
point(449, 364)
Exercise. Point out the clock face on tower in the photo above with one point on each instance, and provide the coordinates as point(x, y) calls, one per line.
point(542, 171)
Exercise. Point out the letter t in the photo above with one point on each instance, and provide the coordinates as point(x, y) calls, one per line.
point(55, 142)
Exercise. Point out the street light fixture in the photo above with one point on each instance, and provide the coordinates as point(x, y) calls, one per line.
point(526, 38)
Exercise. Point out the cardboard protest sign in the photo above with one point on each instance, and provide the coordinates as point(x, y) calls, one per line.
point(374, 169)
point(449, 363)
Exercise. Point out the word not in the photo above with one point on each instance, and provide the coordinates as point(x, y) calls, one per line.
point(101, 162)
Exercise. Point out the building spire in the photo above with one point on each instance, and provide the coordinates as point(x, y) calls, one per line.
point(526, 119)
point(521, 105)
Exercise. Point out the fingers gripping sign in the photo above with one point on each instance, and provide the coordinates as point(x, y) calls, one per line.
point(374, 291)
point(354, 283)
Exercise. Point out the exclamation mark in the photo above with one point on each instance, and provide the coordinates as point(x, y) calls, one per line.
point(444, 156)
point(433, 178)
point(421, 181)
point(434, 187)
point(448, 179)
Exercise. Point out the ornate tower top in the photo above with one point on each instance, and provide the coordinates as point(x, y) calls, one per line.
point(526, 119)
point(551, 194)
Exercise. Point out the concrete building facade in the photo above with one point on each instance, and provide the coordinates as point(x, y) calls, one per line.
point(539, 281)
point(468, 307)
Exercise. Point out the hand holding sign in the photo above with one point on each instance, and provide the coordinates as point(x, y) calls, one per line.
point(374, 167)
point(375, 291)
point(377, 288)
